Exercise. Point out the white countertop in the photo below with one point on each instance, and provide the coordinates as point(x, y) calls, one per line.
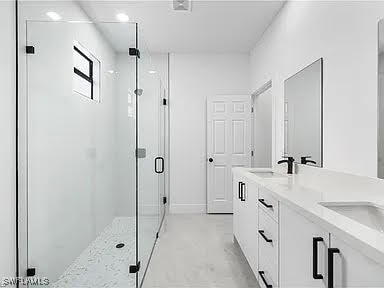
point(305, 201)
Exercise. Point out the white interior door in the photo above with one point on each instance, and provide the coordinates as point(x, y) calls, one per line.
point(228, 145)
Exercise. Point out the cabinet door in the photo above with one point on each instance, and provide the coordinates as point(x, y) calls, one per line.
point(303, 251)
point(250, 222)
point(242, 217)
point(353, 269)
point(239, 210)
point(236, 206)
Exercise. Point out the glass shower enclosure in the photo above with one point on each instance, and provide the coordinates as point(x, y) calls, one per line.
point(92, 154)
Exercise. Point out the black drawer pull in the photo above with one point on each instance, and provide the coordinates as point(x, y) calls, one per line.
point(243, 191)
point(261, 232)
point(261, 273)
point(315, 242)
point(331, 251)
point(262, 201)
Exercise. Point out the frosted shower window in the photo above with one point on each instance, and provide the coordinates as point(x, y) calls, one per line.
point(86, 72)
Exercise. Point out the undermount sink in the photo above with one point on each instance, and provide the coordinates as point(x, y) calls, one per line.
point(365, 213)
point(268, 174)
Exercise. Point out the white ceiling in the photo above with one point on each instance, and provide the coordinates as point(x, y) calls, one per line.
point(212, 26)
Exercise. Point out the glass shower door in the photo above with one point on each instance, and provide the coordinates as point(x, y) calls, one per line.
point(151, 163)
point(81, 153)
point(162, 150)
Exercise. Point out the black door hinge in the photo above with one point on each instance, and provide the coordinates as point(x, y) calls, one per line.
point(164, 200)
point(134, 268)
point(252, 109)
point(31, 272)
point(134, 52)
point(157, 235)
point(29, 49)
point(164, 101)
point(251, 153)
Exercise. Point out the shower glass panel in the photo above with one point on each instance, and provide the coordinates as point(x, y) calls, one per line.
point(81, 154)
point(162, 152)
point(151, 163)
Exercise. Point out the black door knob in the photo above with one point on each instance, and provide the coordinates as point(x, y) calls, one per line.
point(210, 160)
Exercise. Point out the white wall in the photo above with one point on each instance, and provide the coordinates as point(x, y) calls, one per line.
point(160, 64)
point(7, 141)
point(193, 78)
point(345, 35)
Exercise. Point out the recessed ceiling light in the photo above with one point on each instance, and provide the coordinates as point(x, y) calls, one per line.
point(152, 71)
point(53, 15)
point(122, 17)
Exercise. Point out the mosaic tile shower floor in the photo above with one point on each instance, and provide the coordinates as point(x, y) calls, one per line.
point(102, 264)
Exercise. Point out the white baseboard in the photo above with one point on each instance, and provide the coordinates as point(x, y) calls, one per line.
point(188, 209)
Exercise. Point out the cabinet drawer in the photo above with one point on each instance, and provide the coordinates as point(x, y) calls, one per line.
point(269, 203)
point(270, 228)
point(268, 244)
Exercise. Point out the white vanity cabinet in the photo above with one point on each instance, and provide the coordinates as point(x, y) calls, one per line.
point(287, 247)
point(312, 257)
point(245, 218)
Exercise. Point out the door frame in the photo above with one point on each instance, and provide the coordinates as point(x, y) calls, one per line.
point(264, 88)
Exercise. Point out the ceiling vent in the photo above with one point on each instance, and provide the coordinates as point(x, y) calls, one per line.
point(182, 5)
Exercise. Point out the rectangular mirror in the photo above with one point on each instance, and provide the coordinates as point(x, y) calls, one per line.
point(303, 113)
point(380, 102)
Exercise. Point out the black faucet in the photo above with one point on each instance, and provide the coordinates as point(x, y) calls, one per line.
point(289, 161)
point(305, 161)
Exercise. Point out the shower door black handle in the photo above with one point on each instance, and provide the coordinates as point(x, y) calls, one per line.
point(162, 165)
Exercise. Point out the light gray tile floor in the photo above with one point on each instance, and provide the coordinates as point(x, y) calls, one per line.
point(197, 251)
